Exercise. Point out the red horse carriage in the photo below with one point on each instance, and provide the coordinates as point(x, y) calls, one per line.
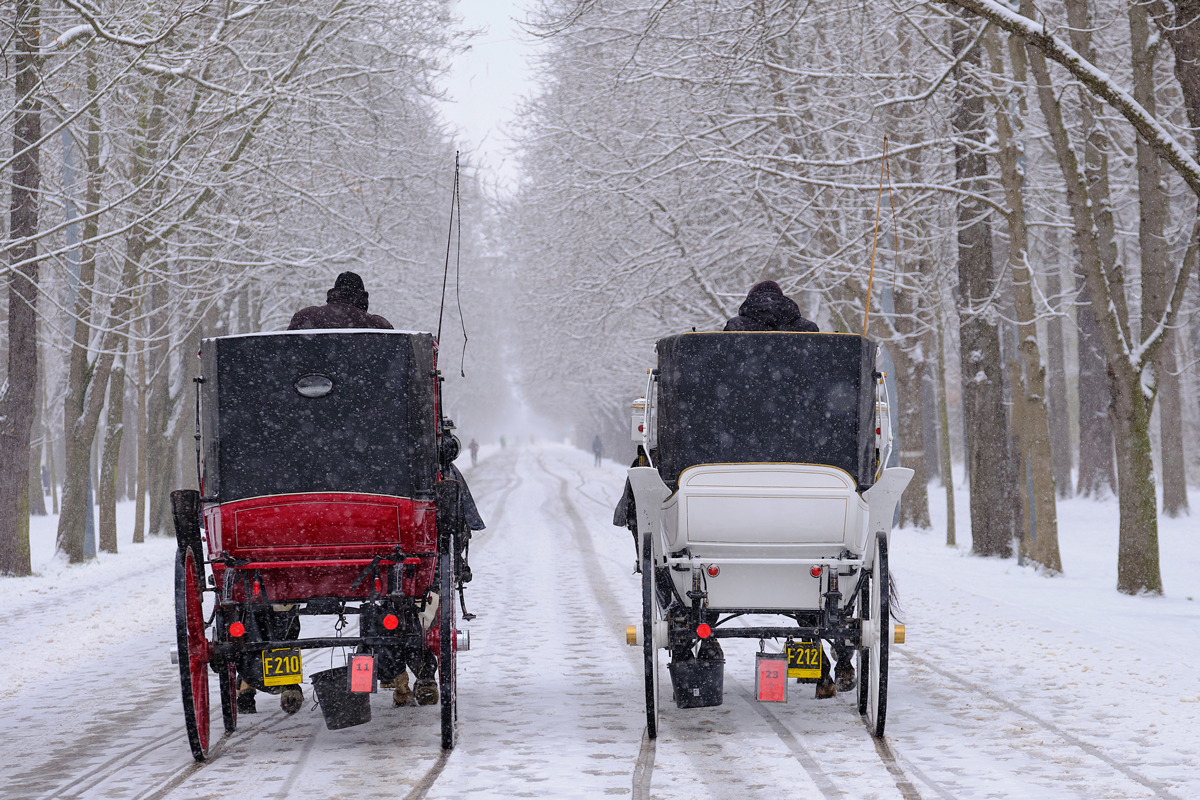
point(326, 490)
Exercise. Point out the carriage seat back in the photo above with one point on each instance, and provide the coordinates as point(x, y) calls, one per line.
point(768, 505)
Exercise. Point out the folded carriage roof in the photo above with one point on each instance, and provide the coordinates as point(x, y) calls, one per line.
point(371, 431)
point(766, 397)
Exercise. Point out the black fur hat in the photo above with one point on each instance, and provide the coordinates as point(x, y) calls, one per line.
point(348, 289)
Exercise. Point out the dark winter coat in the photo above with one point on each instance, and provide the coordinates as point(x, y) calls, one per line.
point(345, 307)
point(469, 509)
point(767, 308)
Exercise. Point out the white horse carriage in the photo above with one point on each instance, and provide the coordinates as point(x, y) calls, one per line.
point(766, 494)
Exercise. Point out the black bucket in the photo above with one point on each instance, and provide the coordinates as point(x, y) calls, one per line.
point(698, 682)
point(341, 707)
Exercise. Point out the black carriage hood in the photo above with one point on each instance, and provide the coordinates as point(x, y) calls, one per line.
point(766, 397)
point(318, 411)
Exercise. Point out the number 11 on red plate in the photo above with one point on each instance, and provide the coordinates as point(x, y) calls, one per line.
point(770, 677)
point(362, 673)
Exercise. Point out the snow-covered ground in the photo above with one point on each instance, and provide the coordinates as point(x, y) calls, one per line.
point(1011, 684)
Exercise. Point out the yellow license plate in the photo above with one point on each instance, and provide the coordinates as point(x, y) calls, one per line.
point(282, 667)
point(804, 659)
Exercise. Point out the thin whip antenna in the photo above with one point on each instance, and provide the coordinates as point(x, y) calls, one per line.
point(449, 238)
point(875, 243)
point(457, 272)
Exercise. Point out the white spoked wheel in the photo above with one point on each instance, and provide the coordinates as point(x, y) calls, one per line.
point(651, 613)
point(880, 635)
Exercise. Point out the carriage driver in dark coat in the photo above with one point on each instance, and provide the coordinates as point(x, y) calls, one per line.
point(767, 308)
point(345, 307)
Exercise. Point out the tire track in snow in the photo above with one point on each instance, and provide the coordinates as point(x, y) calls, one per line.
point(1095, 752)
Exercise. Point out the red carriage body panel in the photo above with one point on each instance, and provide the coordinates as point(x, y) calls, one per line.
point(332, 525)
point(317, 545)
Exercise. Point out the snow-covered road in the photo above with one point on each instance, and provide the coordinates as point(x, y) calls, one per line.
point(1011, 685)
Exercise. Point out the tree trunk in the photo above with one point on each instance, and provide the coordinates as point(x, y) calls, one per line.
point(18, 403)
point(929, 415)
point(983, 403)
point(1156, 283)
point(139, 522)
point(38, 434)
point(114, 428)
point(1090, 206)
point(1039, 539)
point(907, 369)
point(1059, 407)
point(159, 465)
point(1097, 472)
point(1170, 420)
point(944, 422)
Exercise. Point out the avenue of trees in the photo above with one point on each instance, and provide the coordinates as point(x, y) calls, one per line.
point(185, 170)
point(1035, 281)
point(1022, 175)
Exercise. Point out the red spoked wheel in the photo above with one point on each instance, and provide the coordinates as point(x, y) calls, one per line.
point(193, 651)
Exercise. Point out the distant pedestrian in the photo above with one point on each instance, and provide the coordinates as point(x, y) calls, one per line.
point(597, 448)
point(474, 448)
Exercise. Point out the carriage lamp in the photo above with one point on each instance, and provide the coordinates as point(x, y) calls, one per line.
point(236, 630)
point(391, 622)
point(703, 630)
point(815, 570)
point(713, 571)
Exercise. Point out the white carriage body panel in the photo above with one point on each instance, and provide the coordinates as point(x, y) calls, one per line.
point(764, 526)
point(766, 505)
point(781, 587)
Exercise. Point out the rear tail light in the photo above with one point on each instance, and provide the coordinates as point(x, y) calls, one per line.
point(815, 570)
point(703, 630)
point(391, 621)
point(237, 630)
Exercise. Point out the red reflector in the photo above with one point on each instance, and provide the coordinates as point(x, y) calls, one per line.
point(815, 571)
point(703, 631)
point(236, 630)
point(390, 622)
point(640, 429)
point(714, 571)
point(257, 589)
point(378, 586)
point(878, 431)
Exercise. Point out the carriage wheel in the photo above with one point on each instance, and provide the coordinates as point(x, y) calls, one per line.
point(880, 639)
point(650, 614)
point(446, 654)
point(864, 655)
point(193, 651)
point(229, 687)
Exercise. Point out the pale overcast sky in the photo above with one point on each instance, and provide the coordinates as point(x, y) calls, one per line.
point(485, 83)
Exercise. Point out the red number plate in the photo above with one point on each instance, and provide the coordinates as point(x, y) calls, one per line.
point(770, 680)
point(362, 674)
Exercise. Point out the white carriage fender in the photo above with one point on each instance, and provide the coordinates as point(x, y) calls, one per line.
point(649, 491)
point(882, 499)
